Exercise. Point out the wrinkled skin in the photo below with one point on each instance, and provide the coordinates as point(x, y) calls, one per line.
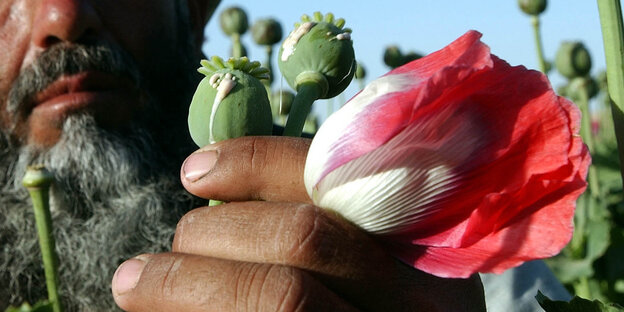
point(278, 254)
point(266, 249)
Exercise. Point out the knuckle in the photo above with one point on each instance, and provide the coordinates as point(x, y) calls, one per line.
point(271, 288)
point(258, 159)
point(183, 228)
point(291, 295)
point(308, 237)
point(169, 285)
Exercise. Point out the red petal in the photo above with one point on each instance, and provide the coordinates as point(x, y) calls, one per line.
point(388, 115)
point(531, 236)
point(517, 199)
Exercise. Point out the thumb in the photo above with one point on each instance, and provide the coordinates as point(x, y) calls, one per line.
point(248, 168)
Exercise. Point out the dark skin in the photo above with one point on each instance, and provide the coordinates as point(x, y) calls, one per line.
point(270, 248)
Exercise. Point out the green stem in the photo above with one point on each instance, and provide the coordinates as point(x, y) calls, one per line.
point(538, 43)
point(307, 93)
point(213, 202)
point(38, 180)
point(582, 288)
point(577, 244)
point(311, 86)
point(613, 38)
point(237, 46)
point(268, 64)
point(588, 138)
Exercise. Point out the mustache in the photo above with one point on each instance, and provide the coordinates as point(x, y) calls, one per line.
point(67, 59)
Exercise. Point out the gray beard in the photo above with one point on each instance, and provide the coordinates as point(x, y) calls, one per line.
point(116, 194)
point(114, 197)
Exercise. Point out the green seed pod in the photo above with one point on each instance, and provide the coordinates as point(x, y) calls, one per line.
point(266, 31)
point(582, 84)
point(281, 101)
point(411, 56)
point(319, 49)
point(230, 102)
point(532, 7)
point(37, 176)
point(393, 56)
point(233, 20)
point(360, 71)
point(573, 60)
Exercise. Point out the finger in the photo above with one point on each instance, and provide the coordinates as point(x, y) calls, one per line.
point(340, 255)
point(292, 234)
point(179, 282)
point(248, 168)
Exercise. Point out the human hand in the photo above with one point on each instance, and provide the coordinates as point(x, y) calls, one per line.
point(271, 249)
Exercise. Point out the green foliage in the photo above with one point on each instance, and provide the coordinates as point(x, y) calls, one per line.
point(592, 265)
point(575, 305)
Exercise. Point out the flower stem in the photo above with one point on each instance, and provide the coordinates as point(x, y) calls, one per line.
point(38, 180)
point(538, 43)
point(268, 65)
point(311, 86)
point(583, 102)
point(612, 35)
point(237, 46)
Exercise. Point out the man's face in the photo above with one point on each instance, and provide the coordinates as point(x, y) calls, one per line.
point(66, 57)
point(96, 90)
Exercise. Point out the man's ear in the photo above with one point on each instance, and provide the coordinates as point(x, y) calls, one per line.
point(200, 12)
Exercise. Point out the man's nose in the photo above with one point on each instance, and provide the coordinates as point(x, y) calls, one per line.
point(59, 21)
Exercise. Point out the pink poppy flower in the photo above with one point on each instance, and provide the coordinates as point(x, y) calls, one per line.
point(458, 162)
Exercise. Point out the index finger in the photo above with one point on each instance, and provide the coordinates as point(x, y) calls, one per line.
point(249, 168)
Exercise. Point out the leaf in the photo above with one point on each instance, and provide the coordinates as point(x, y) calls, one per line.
point(569, 270)
point(577, 304)
point(598, 239)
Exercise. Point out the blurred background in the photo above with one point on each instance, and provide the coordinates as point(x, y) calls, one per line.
point(424, 26)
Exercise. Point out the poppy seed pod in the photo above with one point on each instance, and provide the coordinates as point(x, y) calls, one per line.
point(233, 20)
point(573, 60)
point(360, 71)
point(266, 31)
point(319, 50)
point(587, 85)
point(411, 56)
point(393, 56)
point(37, 177)
point(281, 101)
point(230, 102)
point(532, 7)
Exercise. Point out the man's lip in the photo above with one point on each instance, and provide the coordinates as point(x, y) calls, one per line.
point(78, 85)
point(82, 91)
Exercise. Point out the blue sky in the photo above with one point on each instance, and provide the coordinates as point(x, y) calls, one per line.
point(428, 25)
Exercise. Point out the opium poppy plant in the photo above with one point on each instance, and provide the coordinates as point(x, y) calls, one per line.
point(458, 162)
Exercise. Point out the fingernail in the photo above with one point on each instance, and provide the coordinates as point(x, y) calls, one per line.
point(198, 164)
point(127, 276)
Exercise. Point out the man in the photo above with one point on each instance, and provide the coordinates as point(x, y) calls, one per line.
point(98, 91)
